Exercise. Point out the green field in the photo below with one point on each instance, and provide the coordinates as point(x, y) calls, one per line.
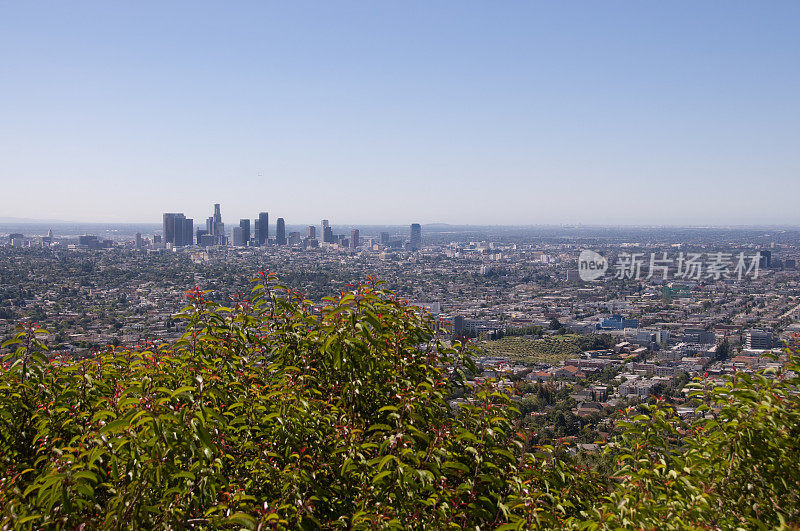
point(543, 350)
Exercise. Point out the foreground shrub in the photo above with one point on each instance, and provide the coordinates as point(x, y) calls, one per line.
point(271, 413)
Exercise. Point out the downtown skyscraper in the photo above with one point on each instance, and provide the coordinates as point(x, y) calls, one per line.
point(416, 237)
point(280, 232)
point(262, 229)
point(244, 225)
point(215, 227)
point(178, 229)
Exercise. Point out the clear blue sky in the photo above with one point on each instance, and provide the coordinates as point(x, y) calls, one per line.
point(392, 112)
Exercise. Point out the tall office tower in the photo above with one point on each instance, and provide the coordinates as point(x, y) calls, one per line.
point(245, 226)
point(138, 239)
point(354, 238)
point(766, 259)
point(180, 220)
point(262, 232)
point(327, 236)
point(180, 232)
point(311, 232)
point(280, 232)
point(217, 227)
point(210, 225)
point(237, 237)
point(324, 230)
point(173, 229)
point(168, 227)
point(188, 231)
point(384, 238)
point(416, 236)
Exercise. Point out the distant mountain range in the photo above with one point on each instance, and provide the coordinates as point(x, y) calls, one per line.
point(30, 220)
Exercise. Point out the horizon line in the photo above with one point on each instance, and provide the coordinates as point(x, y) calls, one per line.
point(783, 226)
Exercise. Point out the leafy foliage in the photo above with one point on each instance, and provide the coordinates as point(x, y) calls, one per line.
point(272, 413)
point(735, 467)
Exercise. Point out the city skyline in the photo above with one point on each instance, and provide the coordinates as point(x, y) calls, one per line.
point(178, 231)
point(520, 114)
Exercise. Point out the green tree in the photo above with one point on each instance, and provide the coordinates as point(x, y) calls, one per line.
point(274, 413)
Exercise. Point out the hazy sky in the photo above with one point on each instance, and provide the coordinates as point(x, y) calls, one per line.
point(392, 112)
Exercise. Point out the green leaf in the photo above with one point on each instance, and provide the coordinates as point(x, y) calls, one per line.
point(243, 519)
point(186, 389)
point(380, 476)
point(85, 474)
point(26, 519)
point(456, 465)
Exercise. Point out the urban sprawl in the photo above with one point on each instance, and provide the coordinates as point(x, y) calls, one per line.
point(571, 351)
